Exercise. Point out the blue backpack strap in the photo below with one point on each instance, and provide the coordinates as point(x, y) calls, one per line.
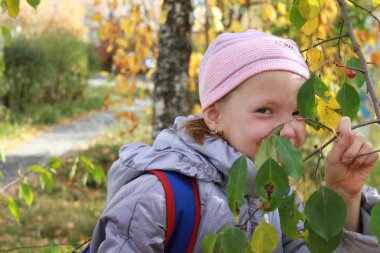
point(87, 249)
point(182, 211)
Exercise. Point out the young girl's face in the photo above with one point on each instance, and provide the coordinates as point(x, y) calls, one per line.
point(250, 113)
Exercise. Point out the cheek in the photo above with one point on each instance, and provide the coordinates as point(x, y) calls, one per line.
point(300, 134)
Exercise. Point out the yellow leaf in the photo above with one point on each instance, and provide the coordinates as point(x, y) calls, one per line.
point(378, 88)
point(235, 26)
point(315, 58)
point(327, 112)
point(309, 9)
point(268, 13)
point(122, 42)
point(218, 26)
point(164, 15)
point(216, 13)
point(264, 238)
point(109, 48)
point(310, 26)
point(196, 109)
point(192, 85)
point(104, 73)
point(375, 3)
point(281, 7)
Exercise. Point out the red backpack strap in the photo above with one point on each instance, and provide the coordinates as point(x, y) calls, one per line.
point(170, 208)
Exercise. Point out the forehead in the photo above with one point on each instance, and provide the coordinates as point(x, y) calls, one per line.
point(273, 82)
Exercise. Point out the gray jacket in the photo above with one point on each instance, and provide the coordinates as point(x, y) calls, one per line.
point(135, 217)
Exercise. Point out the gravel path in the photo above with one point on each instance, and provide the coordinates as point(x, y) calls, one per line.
point(60, 140)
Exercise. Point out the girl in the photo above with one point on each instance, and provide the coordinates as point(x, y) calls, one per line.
point(248, 85)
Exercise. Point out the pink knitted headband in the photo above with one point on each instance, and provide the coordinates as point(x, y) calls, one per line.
point(232, 58)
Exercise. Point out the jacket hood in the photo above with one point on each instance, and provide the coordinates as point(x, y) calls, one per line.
point(173, 150)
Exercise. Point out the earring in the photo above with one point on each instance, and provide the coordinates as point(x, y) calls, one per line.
point(216, 131)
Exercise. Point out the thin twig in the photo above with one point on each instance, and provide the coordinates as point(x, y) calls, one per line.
point(244, 225)
point(375, 121)
point(325, 41)
point(81, 245)
point(359, 53)
point(359, 155)
point(364, 9)
point(340, 39)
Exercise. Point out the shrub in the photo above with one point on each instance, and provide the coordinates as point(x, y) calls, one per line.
point(43, 70)
point(26, 69)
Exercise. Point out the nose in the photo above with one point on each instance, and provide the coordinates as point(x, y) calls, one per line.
point(289, 132)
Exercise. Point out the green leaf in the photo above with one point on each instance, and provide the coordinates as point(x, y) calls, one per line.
point(3, 5)
point(6, 35)
point(86, 160)
point(309, 9)
point(2, 152)
point(26, 193)
point(56, 163)
point(38, 169)
point(289, 216)
point(98, 174)
point(13, 7)
point(47, 181)
point(208, 242)
point(85, 178)
point(349, 100)
point(290, 158)
point(233, 240)
point(1, 174)
point(74, 168)
point(295, 16)
point(320, 87)
point(266, 150)
point(34, 3)
point(375, 221)
point(325, 212)
point(264, 239)
point(13, 209)
point(317, 244)
point(306, 99)
point(359, 79)
point(237, 185)
point(271, 184)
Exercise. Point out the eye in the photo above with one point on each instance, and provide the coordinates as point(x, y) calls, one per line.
point(264, 110)
point(296, 113)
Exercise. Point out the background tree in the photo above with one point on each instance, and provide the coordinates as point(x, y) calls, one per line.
point(171, 96)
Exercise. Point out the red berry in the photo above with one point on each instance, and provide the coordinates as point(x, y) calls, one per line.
point(350, 73)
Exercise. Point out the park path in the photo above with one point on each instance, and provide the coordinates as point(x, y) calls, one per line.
point(60, 140)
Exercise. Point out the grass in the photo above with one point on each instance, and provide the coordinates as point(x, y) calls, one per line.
point(68, 215)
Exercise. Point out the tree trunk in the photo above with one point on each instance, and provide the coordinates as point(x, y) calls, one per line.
point(171, 96)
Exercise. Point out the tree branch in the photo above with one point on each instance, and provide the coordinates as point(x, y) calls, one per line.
point(359, 53)
point(325, 41)
point(364, 9)
point(375, 121)
point(359, 155)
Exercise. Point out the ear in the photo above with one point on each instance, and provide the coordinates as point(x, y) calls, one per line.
point(212, 116)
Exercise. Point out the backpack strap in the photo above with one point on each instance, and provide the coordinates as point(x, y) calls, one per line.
point(182, 211)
